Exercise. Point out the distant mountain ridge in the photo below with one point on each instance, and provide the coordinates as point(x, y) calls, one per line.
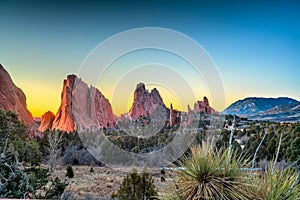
point(272, 109)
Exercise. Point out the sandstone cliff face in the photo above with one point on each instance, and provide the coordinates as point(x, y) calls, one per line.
point(144, 103)
point(64, 119)
point(203, 106)
point(82, 108)
point(12, 98)
point(46, 121)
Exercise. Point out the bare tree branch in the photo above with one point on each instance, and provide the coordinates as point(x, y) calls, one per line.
point(256, 151)
point(231, 136)
point(54, 148)
point(278, 149)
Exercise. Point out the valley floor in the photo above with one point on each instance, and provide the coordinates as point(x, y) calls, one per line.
point(104, 181)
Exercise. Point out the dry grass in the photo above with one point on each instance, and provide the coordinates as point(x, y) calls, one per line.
point(101, 183)
point(277, 184)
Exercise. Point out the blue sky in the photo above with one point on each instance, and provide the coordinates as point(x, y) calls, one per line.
point(255, 45)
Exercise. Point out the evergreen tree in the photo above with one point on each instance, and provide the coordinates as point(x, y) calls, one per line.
point(92, 170)
point(70, 172)
point(136, 186)
point(20, 174)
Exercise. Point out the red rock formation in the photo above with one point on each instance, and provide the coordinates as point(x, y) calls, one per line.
point(203, 106)
point(189, 115)
point(82, 108)
point(171, 121)
point(64, 119)
point(46, 121)
point(12, 98)
point(144, 102)
point(175, 117)
point(104, 111)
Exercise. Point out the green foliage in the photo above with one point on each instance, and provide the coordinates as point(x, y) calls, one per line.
point(20, 176)
point(136, 186)
point(15, 183)
point(11, 126)
point(139, 144)
point(55, 190)
point(70, 172)
point(37, 177)
point(281, 184)
point(293, 151)
point(209, 174)
point(32, 153)
point(92, 170)
point(200, 136)
point(237, 148)
point(271, 148)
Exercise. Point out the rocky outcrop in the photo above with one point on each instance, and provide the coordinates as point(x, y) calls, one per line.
point(144, 102)
point(203, 106)
point(46, 121)
point(64, 116)
point(171, 120)
point(175, 117)
point(12, 98)
point(82, 108)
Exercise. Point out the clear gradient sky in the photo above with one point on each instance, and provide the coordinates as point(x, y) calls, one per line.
point(255, 45)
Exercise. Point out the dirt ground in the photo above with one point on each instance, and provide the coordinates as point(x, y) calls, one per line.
point(105, 181)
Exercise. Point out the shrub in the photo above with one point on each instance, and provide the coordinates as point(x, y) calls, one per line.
point(92, 170)
point(214, 174)
point(70, 172)
point(136, 186)
point(281, 184)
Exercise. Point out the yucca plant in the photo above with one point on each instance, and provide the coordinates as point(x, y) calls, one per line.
point(278, 184)
point(211, 174)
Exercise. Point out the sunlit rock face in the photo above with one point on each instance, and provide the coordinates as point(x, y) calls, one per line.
point(144, 102)
point(203, 106)
point(46, 121)
point(82, 108)
point(12, 98)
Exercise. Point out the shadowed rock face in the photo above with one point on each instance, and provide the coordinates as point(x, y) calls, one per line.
point(12, 98)
point(46, 121)
point(144, 103)
point(82, 108)
point(175, 117)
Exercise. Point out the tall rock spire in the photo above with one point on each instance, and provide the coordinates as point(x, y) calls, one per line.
point(82, 108)
point(171, 121)
point(145, 103)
